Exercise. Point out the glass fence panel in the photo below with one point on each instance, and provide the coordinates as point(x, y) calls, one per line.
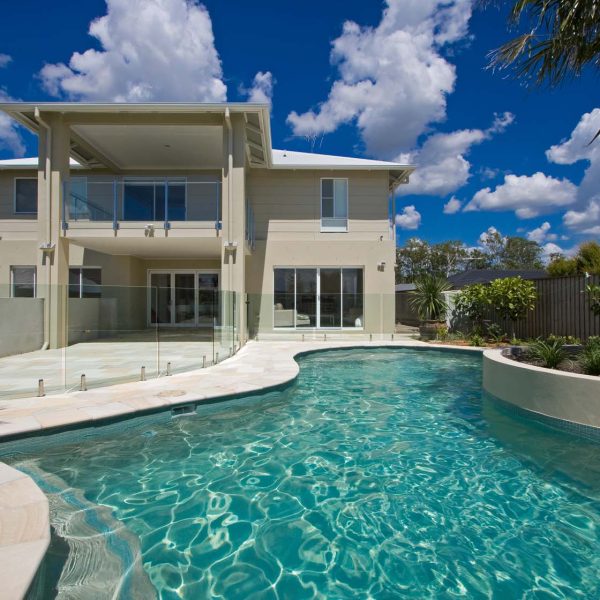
point(110, 337)
point(177, 323)
point(140, 199)
point(27, 367)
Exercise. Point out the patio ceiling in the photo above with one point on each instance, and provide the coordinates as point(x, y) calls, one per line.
point(152, 136)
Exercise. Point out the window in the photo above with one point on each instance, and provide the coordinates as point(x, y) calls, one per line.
point(334, 205)
point(144, 200)
point(85, 282)
point(26, 195)
point(322, 297)
point(22, 282)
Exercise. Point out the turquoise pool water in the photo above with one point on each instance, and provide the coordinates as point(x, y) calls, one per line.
point(378, 474)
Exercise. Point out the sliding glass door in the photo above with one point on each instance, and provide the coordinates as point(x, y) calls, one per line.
point(183, 298)
point(325, 297)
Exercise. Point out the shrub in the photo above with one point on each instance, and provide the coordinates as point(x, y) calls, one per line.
point(427, 299)
point(594, 296)
point(476, 340)
point(589, 359)
point(513, 298)
point(549, 352)
point(566, 340)
point(472, 302)
point(561, 267)
point(442, 333)
point(495, 333)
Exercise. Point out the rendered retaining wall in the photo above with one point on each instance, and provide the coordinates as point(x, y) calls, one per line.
point(21, 325)
point(569, 398)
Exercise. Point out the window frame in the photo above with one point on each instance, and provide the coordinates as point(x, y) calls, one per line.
point(23, 212)
point(12, 280)
point(155, 181)
point(335, 228)
point(80, 283)
point(318, 326)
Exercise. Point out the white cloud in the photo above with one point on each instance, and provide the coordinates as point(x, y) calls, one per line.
point(487, 234)
point(452, 206)
point(542, 234)
point(581, 219)
point(10, 137)
point(587, 218)
point(393, 80)
point(441, 164)
point(488, 173)
point(549, 249)
point(151, 50)
point(4, 60)
point(262, 88)
point(410, 218)
point(528, 196)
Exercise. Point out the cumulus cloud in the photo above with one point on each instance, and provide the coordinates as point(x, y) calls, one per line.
point(452, 206)
point(151, 50)
point(10, 137)
point(409, 218)
point(262, 88)
point(541, 234)
point(586, 219)
point(582, 219)
point(4, 60)
point(392, 78)
point(442, 164)
point(490, 232)
point(528, 195)
point(549, 249)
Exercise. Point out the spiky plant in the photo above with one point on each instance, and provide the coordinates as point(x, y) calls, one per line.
point(427, 299)
point(548, 352)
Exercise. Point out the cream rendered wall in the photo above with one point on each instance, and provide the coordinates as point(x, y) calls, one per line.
point(287, 206)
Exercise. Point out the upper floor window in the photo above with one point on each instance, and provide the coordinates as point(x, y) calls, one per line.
point(26, 195)
point(334, 205)
point(149, 200)
point(85, 282)
point(22, 282)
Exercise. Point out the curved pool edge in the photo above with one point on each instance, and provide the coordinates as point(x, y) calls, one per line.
point(24, 531)
point(257, 368)
point(570, 401)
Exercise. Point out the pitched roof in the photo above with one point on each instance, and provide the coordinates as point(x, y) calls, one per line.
point(27, 163)
point(310, 160)
point(459, 280)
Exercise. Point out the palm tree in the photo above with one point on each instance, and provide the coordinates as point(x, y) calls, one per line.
point(564, 38)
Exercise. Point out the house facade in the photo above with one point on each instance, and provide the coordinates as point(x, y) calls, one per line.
point(183, 216)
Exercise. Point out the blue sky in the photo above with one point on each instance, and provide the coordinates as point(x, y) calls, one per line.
point(400, 80)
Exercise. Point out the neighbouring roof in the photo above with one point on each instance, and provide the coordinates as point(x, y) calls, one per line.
point(459, 280)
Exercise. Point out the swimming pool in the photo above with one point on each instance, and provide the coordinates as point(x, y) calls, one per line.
point(378, 473)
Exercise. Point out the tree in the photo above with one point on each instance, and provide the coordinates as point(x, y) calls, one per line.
point(472, 302)
point(412, 260)
point(587, 260)
point(560, 266)
point(519, 253)
point(513, 298)
point(448, 258)
point(564, 37)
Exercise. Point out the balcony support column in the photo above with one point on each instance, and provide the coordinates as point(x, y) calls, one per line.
point(234, 225)
point(53, 257)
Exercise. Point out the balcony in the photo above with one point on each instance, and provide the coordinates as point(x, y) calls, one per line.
point(111, 203)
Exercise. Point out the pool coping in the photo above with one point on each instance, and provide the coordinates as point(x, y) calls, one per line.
point(257, 368)
point(24, 531)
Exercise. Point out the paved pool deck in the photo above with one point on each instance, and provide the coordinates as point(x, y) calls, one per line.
point(106, 361)
point(24, 511)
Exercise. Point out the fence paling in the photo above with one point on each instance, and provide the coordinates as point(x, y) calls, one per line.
point(562, 308)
